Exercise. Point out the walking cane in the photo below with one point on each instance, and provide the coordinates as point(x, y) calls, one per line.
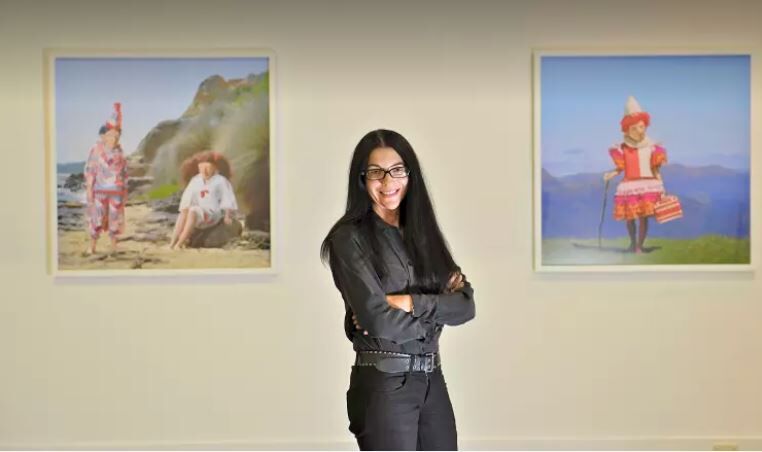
point(603, 211)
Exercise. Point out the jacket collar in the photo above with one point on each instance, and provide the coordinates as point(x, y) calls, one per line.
point(380, 223)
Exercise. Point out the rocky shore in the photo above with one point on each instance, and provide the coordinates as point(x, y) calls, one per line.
point(145, 242)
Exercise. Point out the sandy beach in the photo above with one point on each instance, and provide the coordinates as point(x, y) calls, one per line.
point(145, 245)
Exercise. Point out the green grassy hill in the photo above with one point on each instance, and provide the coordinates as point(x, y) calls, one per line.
point(708, 249)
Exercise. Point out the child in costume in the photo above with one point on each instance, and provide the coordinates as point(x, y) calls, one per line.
point(106, 183)
point(640, 159)
point(208, 197)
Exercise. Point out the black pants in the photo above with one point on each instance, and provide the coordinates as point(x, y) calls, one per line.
point(400, 411)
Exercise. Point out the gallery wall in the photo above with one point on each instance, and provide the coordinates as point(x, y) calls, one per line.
point(645, 360)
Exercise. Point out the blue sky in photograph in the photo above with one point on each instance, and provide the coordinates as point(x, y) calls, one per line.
point(150, 90)
point(699, 107)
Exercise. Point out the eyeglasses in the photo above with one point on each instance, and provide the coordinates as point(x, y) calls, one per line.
point(398, 172)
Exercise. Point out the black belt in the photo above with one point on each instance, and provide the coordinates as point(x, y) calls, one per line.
point(398, 362)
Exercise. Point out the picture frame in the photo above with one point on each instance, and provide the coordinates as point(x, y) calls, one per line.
point(178, 111)
point(581, 97)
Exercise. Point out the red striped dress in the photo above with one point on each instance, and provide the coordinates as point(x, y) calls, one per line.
point(640, 189)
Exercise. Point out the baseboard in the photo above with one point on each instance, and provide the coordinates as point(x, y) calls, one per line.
point(513, 443)
point(612, 443)
point(179, 445)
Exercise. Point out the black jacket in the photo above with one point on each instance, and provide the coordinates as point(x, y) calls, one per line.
point(364, 293)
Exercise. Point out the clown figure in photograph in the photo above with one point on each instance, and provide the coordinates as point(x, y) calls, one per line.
point(641, 188)
point(106, 183)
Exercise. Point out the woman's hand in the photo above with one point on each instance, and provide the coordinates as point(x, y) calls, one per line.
point(228, 221)
point(90, 196)
point(357, 325)
point(403, 302)
point(457, 282)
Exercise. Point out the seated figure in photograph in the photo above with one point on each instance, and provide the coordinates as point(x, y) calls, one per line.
point(208, 198)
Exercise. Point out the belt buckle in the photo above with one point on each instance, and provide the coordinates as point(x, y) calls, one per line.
point(428, 363)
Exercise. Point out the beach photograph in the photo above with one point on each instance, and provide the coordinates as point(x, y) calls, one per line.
point(160, 163)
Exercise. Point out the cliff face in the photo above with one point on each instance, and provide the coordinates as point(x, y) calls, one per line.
point(229, 116)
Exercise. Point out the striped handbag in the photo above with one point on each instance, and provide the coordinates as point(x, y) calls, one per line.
point(668, 208)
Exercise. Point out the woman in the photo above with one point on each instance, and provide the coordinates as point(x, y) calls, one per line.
point(208, 197)
point(400, 287)
point(641, 160)
point(106, 183)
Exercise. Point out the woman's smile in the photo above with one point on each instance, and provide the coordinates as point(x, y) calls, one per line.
point(390, 193)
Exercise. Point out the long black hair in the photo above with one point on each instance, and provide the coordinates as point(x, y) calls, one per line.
point(424, 242)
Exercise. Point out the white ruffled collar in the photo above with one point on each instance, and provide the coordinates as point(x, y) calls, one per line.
point(646, 142)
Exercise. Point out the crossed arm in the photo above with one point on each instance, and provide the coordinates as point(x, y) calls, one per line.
point(400, 317)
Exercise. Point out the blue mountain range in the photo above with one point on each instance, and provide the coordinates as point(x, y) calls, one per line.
point(715, 200)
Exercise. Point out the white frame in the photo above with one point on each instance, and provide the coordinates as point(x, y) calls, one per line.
point(537, 56)
point(49, 97)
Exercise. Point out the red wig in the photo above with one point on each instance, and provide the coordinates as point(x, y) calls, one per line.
point(189, 167)
point(630, 120)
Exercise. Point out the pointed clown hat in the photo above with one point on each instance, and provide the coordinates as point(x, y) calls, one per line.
point(633, 114)
point(115, 121)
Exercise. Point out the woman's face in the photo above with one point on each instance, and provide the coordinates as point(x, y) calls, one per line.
point(637, 132)
point(206, 169)
point(387, 193)
point(111, 138)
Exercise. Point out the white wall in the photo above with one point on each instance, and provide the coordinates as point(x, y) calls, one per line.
point(552, 361)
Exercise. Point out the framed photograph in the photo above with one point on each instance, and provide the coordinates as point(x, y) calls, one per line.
point(160, 162)
point(642, 161)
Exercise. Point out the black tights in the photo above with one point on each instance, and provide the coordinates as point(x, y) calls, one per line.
point(637, 245)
